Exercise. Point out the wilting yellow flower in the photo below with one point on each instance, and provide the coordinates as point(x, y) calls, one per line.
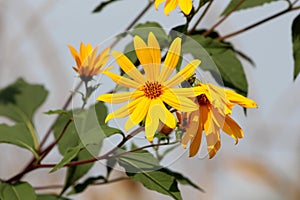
point(215, 106)
point(154, 89)
point(88, 62)
point(185, 5)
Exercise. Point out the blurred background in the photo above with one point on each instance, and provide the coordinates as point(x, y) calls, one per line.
point(264, 165)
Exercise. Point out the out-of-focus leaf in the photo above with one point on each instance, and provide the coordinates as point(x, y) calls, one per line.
point(102, 5)
point(246, 4)
point(17, 191)
point(143, 30)
point(50, 197)
point(69, 155)
point(228, 66)
point(296, 45)
point(82, 186)
point(18, 135)
point(20, 100)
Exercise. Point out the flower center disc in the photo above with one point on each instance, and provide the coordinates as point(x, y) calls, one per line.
point(202, 99)
point(152, 90)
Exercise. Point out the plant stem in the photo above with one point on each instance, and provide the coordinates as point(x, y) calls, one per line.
point(222, 38)
point(223, 19)
point(135, 20)
point(201, 17)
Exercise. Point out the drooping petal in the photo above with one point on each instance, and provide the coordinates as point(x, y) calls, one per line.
point(138, 114)
point(121, 80)
point(186, 6)
point(239, 99)
point(196, 143)
point(128, 67)
point(213, 140)
point(232, 129)
point(120, 97)
point(124, 110)
point(170, 5)
point(191, 127)
point(180, 103)
point(171, 60)
point(183, 74)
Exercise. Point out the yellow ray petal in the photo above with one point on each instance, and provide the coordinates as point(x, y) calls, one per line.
point(191, 127)
point(184, 74)
point(186, 6)
point(75, 55)
point(157, 2)
point(239, 99)
point(196, 143)
point(123, 111)
point(232, 129)
point(188, 92)
point(83, 52)
point(102, 58)
point(152, 120)
point(120, 97)
point(171, 60)
point(138, 114)
point(178, 102)
point(121, 80)
point(170, 5)
point(213, 140)
point(164, 114)
point(128, 67)
point(154, 48)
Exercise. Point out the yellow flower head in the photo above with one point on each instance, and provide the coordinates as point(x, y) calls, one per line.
point(185, 5)
point(88, 62)
point(154, 89)
point(215, 106)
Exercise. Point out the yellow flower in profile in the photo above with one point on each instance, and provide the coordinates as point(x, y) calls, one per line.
point(215, 106)
point(155, 89)
point(185, 5)
point(88, 62)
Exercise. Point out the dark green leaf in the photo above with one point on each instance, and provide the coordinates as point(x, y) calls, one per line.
point(50, 197)
point(82, 186)
point(246, 4)
point(102, 5)
point(17, 191)
point(17, 102)
point(18, 135)
point(228, 66)
point(296, 45)
point(144, 168)
point(182, 179)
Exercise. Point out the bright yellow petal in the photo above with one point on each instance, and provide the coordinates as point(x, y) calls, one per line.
point(138, 114)
point(178, 102)
point(232, 129)
point(188, 92)
point(83, 52)
point(154, 48)
point(128, 67)
point(165, 115)
point(120, 97)
point(121, 80)
point(170, 5)
point(157, 2)
point(184, 74)
point(75, 55)
point(239, 99)
point(171, 60)
point(152, 120)
point(102, 58)
point(186, 6)
point(123, 111)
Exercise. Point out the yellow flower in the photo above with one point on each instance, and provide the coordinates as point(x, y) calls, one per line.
point(155, 89)
point(89, 63)
point(215, 106)
point(185, 5)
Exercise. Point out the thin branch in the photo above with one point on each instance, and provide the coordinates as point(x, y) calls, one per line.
point(112, 181)
point(48, 187)
point(223, 19)
point(135, 20)
point(201, 17)
point(221, 38)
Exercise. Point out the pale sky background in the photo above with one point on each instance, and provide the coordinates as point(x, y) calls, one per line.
point(264, 165)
